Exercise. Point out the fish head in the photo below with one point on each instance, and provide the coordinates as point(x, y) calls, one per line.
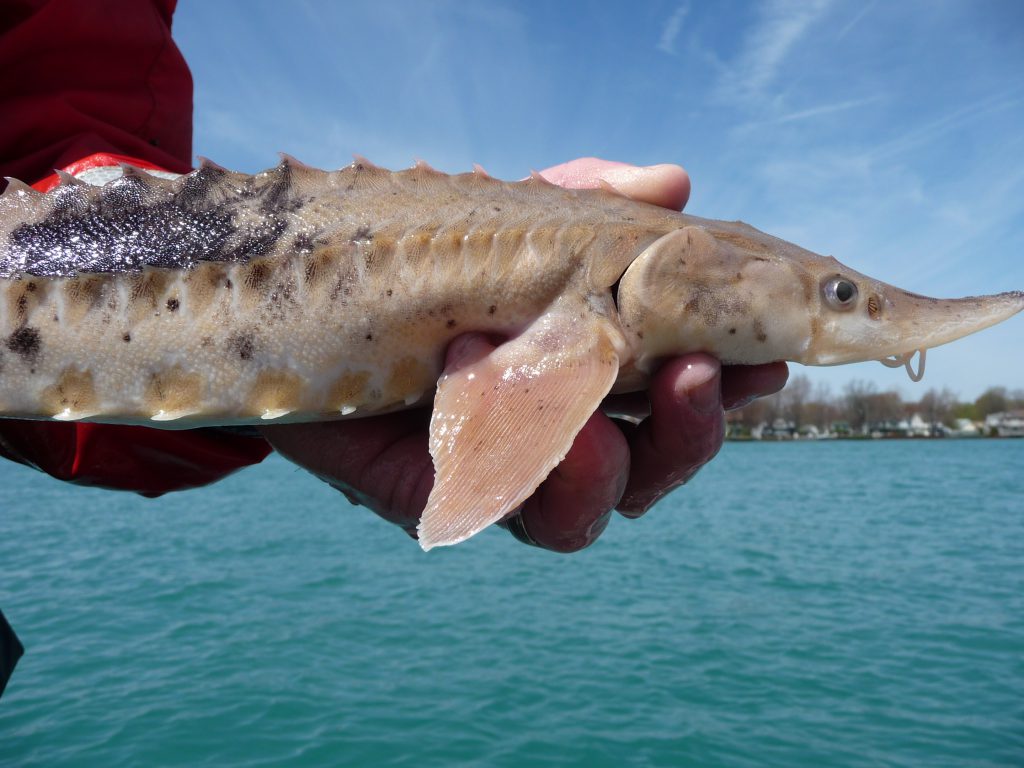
point(858, 318)
point(747, 298)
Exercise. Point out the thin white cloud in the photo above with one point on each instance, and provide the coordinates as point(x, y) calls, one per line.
point(670, 31)
point(824, 109)
point(856, 19)
point(949, 122)
point(808, 113)
point(781, 25)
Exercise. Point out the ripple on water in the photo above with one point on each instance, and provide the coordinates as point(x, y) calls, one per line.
point(841, 604)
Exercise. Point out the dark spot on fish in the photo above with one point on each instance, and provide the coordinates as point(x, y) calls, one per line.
point(342, 287)
point(492, 309)
point(30, 287)
point(242, 345)
point(228, 284)
point(369, 337)
point(25, 342)
point(22, 304)
point(303, 243)
point(103, 238)
point(732, 331)
point(285, 289)
point(172, 305)
point(759, 332)
point(363, 235)
point(760, 258)
point(205, 342)
point(389, 292)
point(126, 338)
point(450, 324)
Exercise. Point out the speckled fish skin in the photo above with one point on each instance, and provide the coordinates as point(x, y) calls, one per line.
point(295, 294)
point(300, 295)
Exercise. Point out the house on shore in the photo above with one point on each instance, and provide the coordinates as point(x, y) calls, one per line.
point(1005, 424)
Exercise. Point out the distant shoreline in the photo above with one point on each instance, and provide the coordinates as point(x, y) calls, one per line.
point(868, 439)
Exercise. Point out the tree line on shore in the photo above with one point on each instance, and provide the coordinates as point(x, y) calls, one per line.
point(861, 406)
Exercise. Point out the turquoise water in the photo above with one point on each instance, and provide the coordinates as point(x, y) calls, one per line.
point(798, 605)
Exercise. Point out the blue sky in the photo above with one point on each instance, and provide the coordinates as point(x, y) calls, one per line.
point(890, 135)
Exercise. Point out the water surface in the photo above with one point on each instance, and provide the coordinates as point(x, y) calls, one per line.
point(837, 604)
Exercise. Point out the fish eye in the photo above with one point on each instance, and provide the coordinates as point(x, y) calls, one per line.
point(840, 293)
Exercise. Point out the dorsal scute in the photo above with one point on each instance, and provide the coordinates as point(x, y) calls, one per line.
point(217, 215)
point(18, 189)
point(67, 180)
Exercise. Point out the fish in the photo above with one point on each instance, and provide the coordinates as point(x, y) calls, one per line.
point(218, 298)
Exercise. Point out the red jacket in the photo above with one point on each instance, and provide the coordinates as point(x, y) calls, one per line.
point(81, 78)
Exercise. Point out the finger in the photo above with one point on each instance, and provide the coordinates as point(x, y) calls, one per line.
point(633, 407)
point(684, 432)
point(742, 384)
point(380, 462)
point(573, 505)
point(665, 185)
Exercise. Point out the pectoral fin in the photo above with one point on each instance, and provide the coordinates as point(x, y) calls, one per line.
point(501, 424)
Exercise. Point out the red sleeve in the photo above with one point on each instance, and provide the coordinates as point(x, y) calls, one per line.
point(103, 76)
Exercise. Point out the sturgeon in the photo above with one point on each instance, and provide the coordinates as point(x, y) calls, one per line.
point(295, 294)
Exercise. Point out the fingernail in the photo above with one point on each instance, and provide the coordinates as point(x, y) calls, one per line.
point(700, 385)
point(742, 402)
point(517, 528)
point(628, 179)
point(349, 493)
point(597, 528)
point(637, 504)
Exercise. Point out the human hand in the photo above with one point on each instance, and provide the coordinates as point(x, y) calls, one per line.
point(383, 463)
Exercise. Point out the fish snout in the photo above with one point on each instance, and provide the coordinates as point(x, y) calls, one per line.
point(864, 319)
